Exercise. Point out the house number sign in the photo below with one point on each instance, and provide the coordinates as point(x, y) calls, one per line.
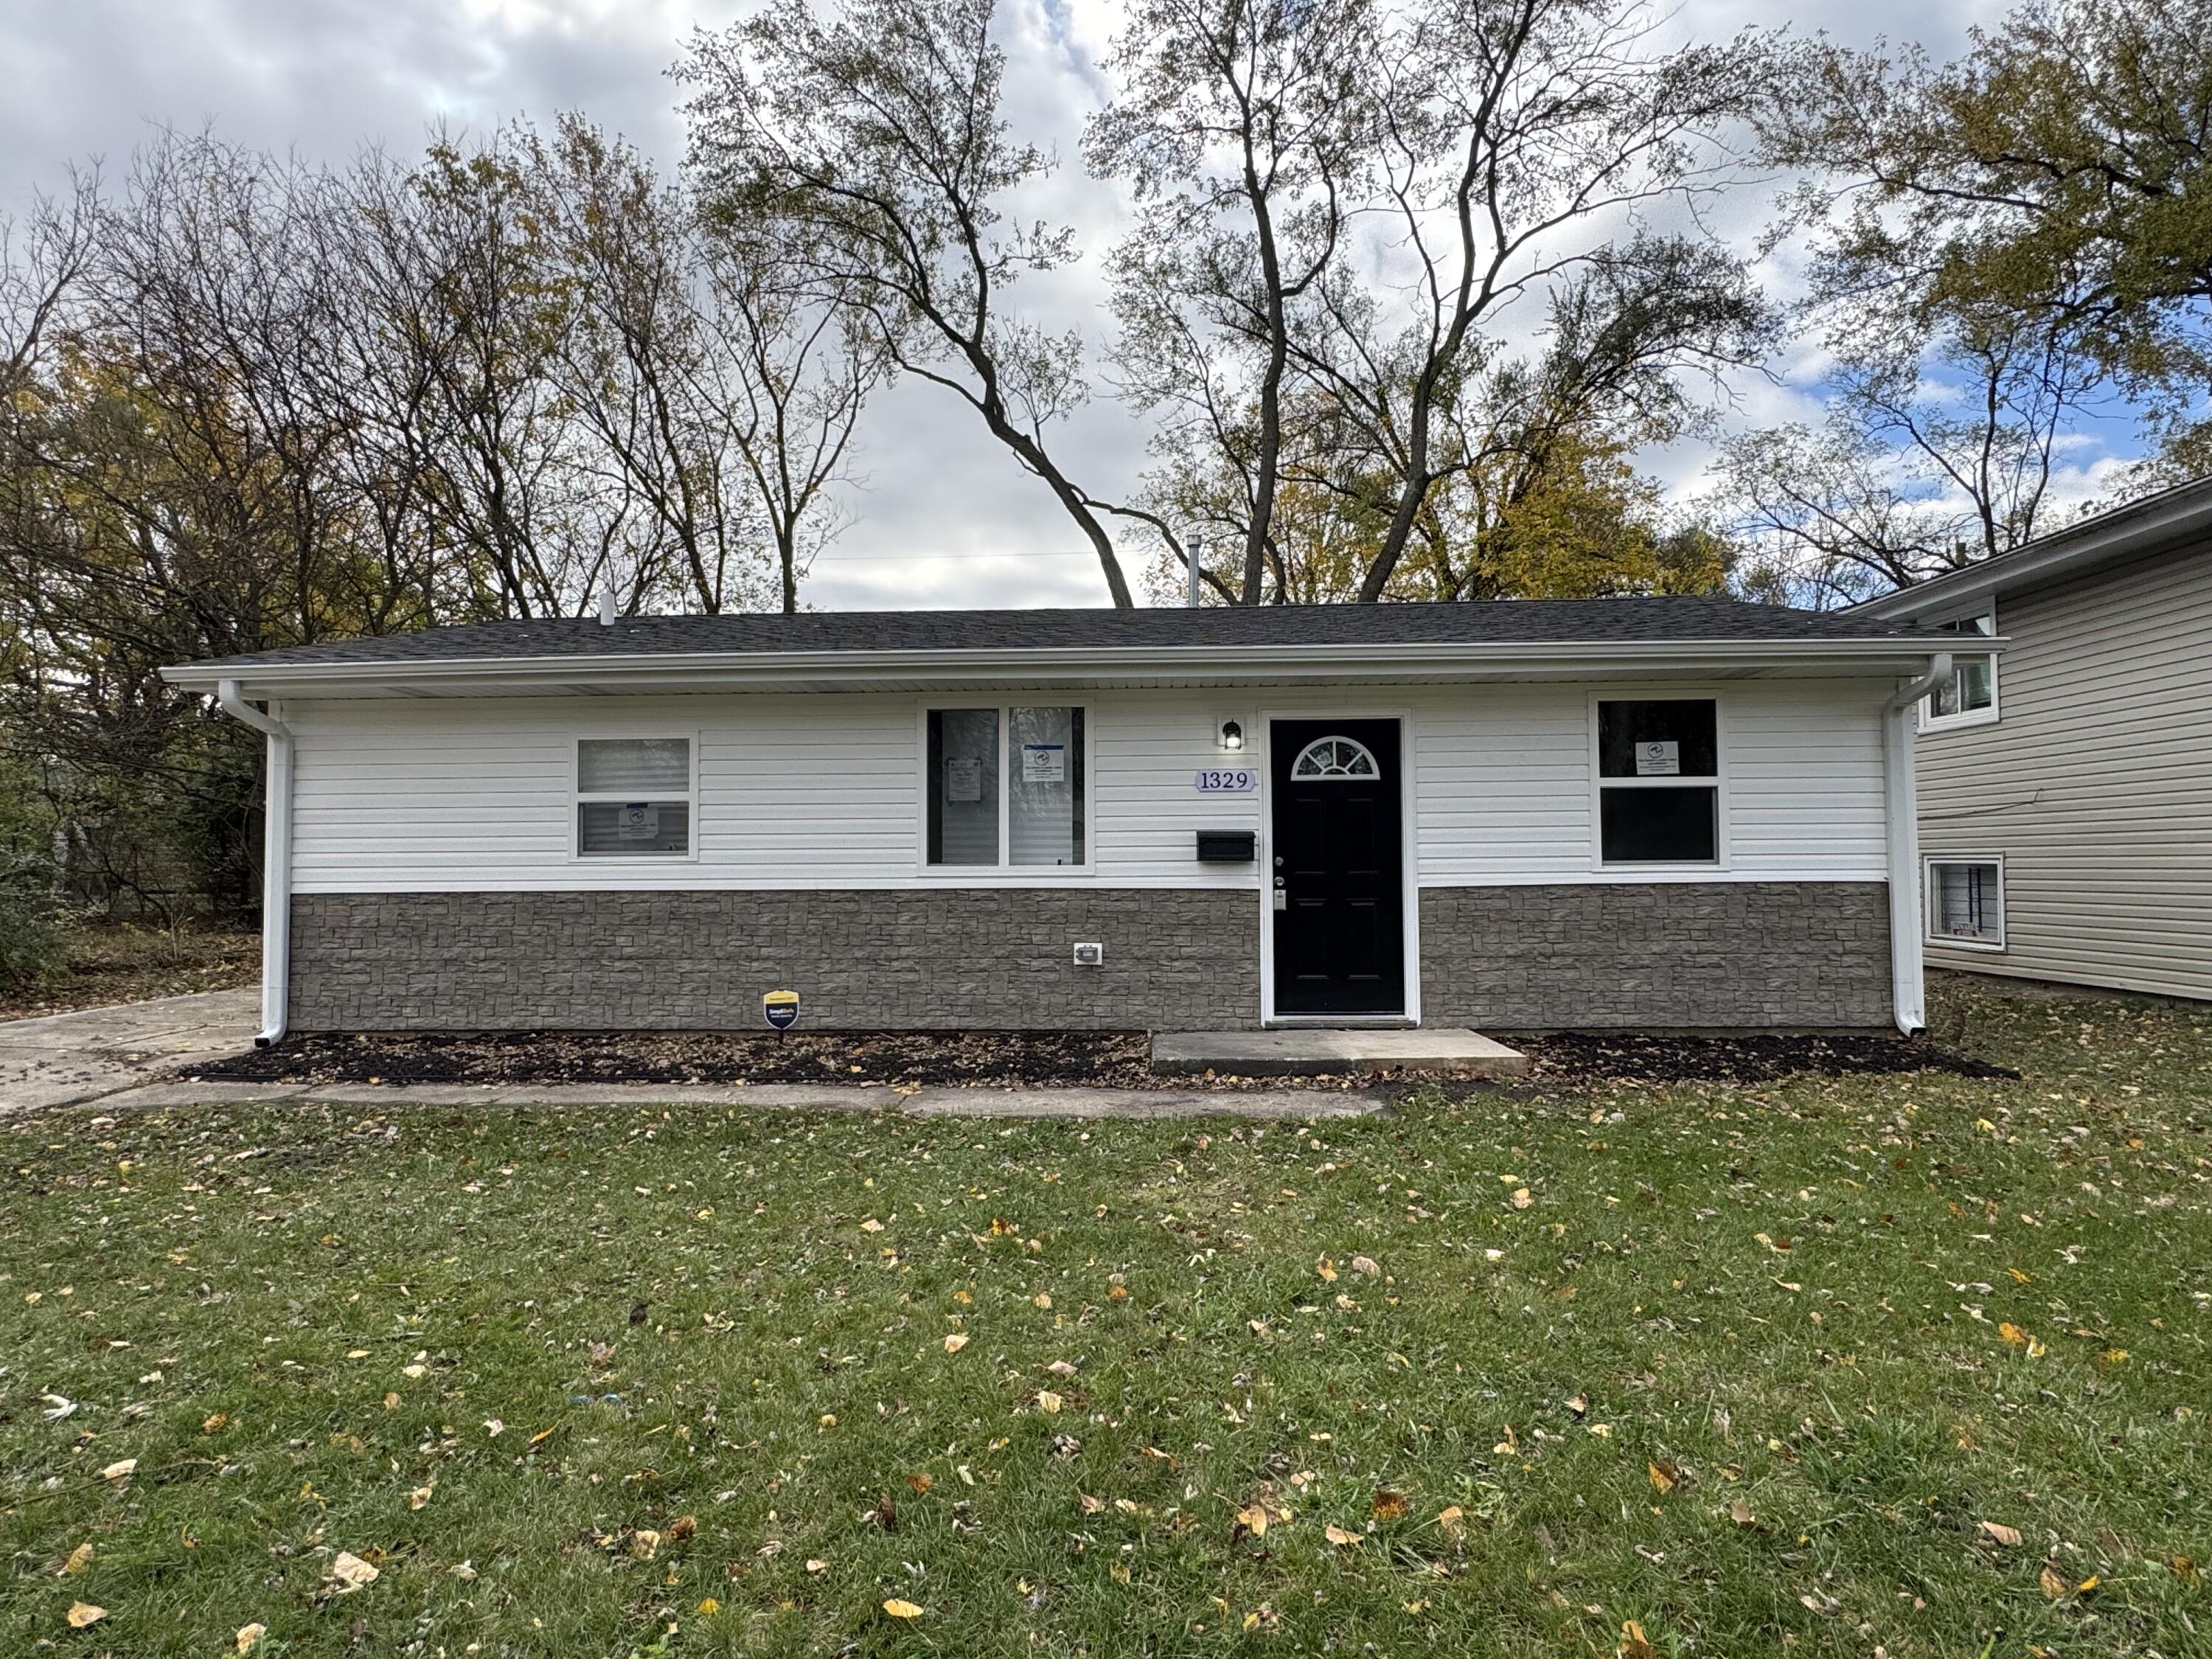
point(1228, 781)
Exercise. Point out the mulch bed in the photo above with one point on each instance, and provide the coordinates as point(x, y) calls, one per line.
point(1117, 1059)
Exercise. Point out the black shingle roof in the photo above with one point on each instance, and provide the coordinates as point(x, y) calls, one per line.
point(1519, 622)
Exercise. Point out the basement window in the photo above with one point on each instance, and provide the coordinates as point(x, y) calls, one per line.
point(1659, 786)
point(1006, 788)
point(1966, 902)
point(633, 797)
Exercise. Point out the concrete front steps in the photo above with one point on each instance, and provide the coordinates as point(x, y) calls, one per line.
point(1315, 1051)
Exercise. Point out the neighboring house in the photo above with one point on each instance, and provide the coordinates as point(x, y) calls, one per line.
point(1648, 813)
point(2066, 792)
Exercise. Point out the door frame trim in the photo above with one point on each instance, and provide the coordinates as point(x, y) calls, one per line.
point(1409, 925)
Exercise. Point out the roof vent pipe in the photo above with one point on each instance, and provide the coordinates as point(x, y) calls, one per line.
point(607, 605)
point(1196, 552)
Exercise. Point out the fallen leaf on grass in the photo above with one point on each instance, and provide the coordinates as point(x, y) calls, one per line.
point(1740, 1512)
point(2183, 1568)
point(79, 1559)
point(2051, 1582)
point(2009, 1536)
point(82, 1613)
point(1634, 1644)
point(420, 1495)
point(1091, 1505)
point(1521, 1199)
point(709, 1607)
point(414, 1373)
point(1387, 1505)
point(1665, 1476)
point(249, 1636)
point(1327, 1270)
point(349, 1572)
point(955, 1342)
point(644, 1544)
point(885, 1514)
point(1048, 1401)
point(1252, 1518)
point(919, 1480)
point(899, 1609)
point(213, 1422)
point(683, 1526)
point(1061, 1367)
point(1339, 1537)
point(1367, 1265)
point(1453, 1520)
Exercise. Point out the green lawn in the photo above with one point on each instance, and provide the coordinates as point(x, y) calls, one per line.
point(1892, 1364)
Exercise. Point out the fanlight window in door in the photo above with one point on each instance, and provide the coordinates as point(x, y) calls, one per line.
point(1335, 758)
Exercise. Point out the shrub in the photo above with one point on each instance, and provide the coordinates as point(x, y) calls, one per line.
point(33, 931)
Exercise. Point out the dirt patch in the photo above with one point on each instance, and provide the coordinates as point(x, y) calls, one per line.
point(111, 963)
point(1576, 1058)
point(1120, 1060)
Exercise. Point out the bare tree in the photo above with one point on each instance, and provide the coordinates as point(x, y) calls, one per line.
point(1519, 139)
point(1243, 126)
point(874, 146)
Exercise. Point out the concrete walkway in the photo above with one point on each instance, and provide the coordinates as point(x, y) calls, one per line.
point(1335, 1051)
point(1039, 1102)
point(59, 1060)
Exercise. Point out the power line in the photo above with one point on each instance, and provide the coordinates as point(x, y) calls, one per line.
point(883, 558)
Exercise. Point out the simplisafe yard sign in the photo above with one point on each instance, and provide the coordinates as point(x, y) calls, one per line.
point(1227, 780)
point(782, 1009)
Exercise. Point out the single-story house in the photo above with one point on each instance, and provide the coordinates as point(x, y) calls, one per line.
point(2065, 793)
point(1653, 813)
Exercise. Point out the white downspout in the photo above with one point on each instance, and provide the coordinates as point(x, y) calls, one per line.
point(1908, 981)
point(276, 866)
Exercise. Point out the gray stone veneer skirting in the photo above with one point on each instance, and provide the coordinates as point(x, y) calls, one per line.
point(1656, 956)
point(989, 959)
point(1725, 955)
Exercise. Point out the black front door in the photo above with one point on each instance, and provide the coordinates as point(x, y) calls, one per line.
point(1340, 939)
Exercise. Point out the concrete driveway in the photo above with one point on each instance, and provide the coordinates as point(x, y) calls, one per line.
point(62, 1059)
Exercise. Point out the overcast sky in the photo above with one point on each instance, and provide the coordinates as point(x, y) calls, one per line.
point(87, 79)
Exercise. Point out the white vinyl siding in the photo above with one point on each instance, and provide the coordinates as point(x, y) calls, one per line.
point(825, 790)
point(2094, 785)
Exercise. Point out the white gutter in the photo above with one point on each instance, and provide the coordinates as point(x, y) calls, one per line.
point(1138, 664)
point(276, 862)
point(1907, 972)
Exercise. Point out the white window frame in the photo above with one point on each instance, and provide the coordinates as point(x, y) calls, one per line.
point(1929, 920)
point(1599, 783)
point(1929, 719)
point(1004, 873)
point(579, 797)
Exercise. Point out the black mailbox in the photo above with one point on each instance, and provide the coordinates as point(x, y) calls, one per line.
point(1226, 846)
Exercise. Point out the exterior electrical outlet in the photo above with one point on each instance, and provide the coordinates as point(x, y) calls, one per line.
point(1090, 955)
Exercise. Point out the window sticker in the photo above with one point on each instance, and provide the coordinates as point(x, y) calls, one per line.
point(963, 778)
point(638, 821)
point(1044, 763)
point(1659, 760)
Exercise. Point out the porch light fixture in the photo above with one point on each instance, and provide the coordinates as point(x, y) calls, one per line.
point(1232, 736)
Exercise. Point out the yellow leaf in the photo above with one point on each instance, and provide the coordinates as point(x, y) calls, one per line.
point(2183, 1568)
point(644, 1543)
point(1091, 1505)
point(211, 1424)
point(1326, 1269)
point(1047, 1401)
point(920, 1480)
point(871, 1225)
point(79, 1559)
point(249, 1636)
point(1453, 1520)
point(120, 1471)
point(1663, 1476)
point(2051, 1583)
point(1254, 1519)
point(1043, 1299)
point(899, 1609)
point(1387, 1505)
point(955, 1342)
point(1634, 1644)
point(2009, 1536)
point(82, 1613)
point(2012, 1335)
point(1521, 1199)
point(349, 1573)
point(414, 1373)
point(1251, 1621)
point(1338, 1536)
point(420, 1495)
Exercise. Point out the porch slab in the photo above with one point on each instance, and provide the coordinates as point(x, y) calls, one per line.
point(1312, 1051)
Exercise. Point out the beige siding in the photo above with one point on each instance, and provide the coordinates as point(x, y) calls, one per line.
point(2095, 784)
